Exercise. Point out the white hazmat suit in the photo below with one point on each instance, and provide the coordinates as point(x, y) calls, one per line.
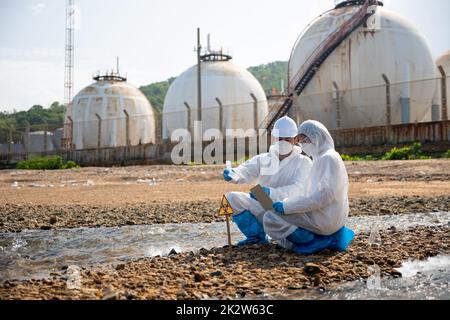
point(324, 209)
point(289, 180)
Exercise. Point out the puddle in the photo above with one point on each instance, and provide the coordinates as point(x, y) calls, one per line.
point(37, 253)
point(421, 280)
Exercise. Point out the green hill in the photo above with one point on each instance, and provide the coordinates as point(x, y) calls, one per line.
point(156, 92)
point(270, 75)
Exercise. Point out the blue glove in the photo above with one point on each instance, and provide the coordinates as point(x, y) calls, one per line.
point(278, 207)
point(226, 175)
point(265, 189)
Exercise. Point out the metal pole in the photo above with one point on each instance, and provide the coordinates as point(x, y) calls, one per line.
point(255, 119)
point(10, 145)
point(127, 128)
point(229, 233)
point(220, 115)
point(71, 144)
point(338, 105)
point(255, 111)
point(199, 77)
point(27, 140)
point(158, 124)
point(388, 99)
point(127, 134)
point(45, 140)
point(99, 133)
point(444, 93)
point(189, 118)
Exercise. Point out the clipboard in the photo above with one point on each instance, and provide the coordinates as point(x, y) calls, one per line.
point(262, 197)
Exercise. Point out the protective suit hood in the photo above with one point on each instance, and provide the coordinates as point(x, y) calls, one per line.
point(321, 140)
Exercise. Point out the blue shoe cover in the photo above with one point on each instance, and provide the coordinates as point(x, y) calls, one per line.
point(251, 228)
point(250, 241)
point(336, 242)
point(343, 238)
point(301, 236)
point(319, 243)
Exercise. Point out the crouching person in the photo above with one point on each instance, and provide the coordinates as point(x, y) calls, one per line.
point(312, 223)
point(282, 172)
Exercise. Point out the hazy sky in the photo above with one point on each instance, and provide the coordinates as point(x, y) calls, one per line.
point(155, 39)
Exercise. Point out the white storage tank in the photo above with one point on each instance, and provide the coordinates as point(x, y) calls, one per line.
point(110, 98)
point(57, 138)
point(349, 88)
point(243, 101)
point(37, 141)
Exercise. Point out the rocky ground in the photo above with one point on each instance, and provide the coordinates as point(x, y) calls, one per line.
point(94, 197)
point(16, 217)
point(245, 272)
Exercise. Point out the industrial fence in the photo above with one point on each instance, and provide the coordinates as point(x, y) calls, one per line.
point(359, 119)
point(389, 103)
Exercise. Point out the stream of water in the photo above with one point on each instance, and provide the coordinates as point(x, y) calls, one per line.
point(37, 253)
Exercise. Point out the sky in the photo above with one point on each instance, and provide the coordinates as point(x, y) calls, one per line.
point(155, 39)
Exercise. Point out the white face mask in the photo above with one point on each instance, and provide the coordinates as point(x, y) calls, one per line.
point(308, 148)
point(283, 147)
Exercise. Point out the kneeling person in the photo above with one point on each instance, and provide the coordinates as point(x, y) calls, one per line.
point(283, 172)
point(316, 221)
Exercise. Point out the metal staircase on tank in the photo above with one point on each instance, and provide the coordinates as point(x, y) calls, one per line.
point(316, 59)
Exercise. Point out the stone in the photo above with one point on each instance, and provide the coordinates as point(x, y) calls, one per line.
point(45, 227)
point(395, 273)
point(199, 277)
point(130, 223)
point(173, 252)
point(216, 274)
point(311, 268)
point(109, 294)
point(294, 287)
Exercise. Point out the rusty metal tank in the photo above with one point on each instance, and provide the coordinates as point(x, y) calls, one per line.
point(111, 104)
point(349, 90)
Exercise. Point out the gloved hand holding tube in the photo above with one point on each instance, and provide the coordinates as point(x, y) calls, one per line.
point(229, 175)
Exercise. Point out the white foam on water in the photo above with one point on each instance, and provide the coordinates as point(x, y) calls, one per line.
point(412, 268)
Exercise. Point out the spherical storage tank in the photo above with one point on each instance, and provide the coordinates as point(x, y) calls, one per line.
point(110, 98)
point(243, 101)
point(349, 89)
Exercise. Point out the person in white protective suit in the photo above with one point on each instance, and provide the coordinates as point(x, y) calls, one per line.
point(311, 223)
point(283, 172)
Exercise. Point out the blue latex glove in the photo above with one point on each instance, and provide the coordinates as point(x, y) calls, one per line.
point(226, 175)
point(278, 207)
point(265, 189)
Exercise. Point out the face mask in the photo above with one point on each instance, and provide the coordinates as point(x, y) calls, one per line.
point(308, 148)
point(283, 147)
